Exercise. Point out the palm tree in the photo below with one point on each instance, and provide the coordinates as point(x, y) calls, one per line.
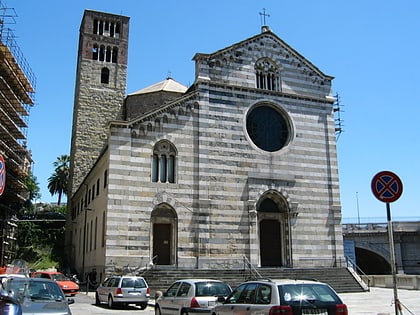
point(58, 181)
point(32, 187)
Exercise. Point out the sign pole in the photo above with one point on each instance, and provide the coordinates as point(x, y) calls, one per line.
point(392, 254)
point(387, 187)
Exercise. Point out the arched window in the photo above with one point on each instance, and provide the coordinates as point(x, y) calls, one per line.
point(267, 75)
point(108, 53)
point(164, 162)
point(102, 53)
point(105, 75)
point(114, 54)
point(95, 52)
point(95, 26)
point(117, 28)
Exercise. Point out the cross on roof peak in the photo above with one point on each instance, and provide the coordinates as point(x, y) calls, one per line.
point(263, 16)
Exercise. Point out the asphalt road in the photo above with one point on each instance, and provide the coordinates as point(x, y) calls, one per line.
point(376, 301)
point(85, 304)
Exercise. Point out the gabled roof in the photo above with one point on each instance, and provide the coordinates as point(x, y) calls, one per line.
point(167, 85)
point(266, 32)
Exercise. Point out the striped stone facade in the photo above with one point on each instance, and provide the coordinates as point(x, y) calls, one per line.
point(230, 198)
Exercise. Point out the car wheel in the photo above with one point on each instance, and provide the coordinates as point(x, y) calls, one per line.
point(97, 301)
point(110, 302)
point(143, 306)
point(157, 310)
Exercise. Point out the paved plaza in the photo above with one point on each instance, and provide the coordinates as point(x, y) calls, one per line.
point(380, 301)
point(376, 301)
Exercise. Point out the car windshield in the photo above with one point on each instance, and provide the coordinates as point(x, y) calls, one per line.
point(133, 283)
point(59, 277)
point(290, 293)
point(34, 290)
point(212, 289)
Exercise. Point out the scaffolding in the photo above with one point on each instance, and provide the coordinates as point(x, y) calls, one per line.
point(17, 91)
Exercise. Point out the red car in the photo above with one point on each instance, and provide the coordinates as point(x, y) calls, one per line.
point(68, 286)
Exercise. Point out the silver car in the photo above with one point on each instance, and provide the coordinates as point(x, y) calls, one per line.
point(38, 296)
point(189, 296)
point(288, 297)
point(123, 290)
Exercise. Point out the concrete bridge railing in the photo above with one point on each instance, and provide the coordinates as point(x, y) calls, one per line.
point(409, 282)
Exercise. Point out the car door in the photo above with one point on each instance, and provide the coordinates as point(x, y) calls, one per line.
point(166, 301)
point(106, 288)
point(183, 298)
point(263, 299)
point(239, 302)
point(101, 289)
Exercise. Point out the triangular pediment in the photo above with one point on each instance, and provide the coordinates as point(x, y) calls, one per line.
point(237, 65)
point(265, 39)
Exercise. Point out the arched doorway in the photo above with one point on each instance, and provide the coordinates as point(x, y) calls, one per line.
point(164, 236)
point(270, 244)
point(273, 227)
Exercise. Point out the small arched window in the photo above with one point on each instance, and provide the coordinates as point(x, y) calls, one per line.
point(105, 75)
point(95, 26)
point(267, 75)
point(114, 54)
point(102, 53)
point(164, 162)
point(95, 52)
point(108, 53)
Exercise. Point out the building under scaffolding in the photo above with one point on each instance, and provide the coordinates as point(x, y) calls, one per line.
point(17, 90)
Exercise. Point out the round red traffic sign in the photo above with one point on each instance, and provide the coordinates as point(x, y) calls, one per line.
point(2, 174)
point(387, 186)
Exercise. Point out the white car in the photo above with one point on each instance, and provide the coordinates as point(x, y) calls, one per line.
point(189, 296)
point(288, 297)
point(123, 290)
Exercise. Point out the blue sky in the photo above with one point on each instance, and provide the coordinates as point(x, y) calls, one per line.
point(370, 47)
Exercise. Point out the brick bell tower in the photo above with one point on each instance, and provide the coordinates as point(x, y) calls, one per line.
point(100, 88)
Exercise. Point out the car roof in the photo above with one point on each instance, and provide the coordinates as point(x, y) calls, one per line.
point(11, 275)
point(194, 280)
point(288, 281)
point(48, 272)
point(124, 276)
point(34, 279)
point(41, 280)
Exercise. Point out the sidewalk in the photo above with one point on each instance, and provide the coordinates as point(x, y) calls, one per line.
point(380, 301)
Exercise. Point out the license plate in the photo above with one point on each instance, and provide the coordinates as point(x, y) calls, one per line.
point(314, 312)
point(134, 293)
point(212, 303)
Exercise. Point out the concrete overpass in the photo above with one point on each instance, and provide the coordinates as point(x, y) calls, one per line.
point(367, 245)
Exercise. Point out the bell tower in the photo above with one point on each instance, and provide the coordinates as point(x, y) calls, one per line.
point(100, 88)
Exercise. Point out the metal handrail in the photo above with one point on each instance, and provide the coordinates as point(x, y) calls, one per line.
point(253, 272)
point(352, 266)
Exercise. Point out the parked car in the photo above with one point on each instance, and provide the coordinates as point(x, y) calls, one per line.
point(123, 290)
point(189, 296)
point(69, 287)
point(38, 296)
point(286, 297)
point(9, 305)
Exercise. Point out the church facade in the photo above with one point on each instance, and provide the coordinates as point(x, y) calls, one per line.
point(241, 165)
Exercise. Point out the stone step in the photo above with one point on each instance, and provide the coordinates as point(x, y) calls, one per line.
point(338, 278)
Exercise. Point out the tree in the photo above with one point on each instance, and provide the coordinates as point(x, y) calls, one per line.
point(58, 181)
point(32, 187)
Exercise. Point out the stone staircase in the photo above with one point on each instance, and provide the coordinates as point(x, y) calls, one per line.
point(341, 279)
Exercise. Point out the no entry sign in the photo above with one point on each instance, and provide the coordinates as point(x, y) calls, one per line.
point(387, 186)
